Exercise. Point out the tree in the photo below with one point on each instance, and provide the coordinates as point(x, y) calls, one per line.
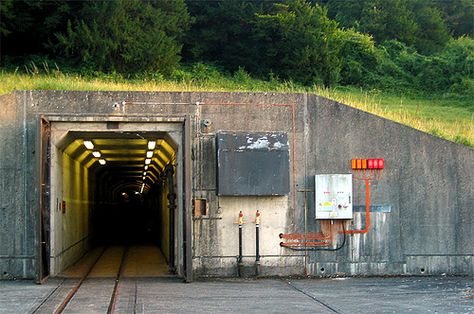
point(459, 16)
point(359, 58)
point(297, 41)
point(418, 23)
point(27, 26)
point(387, 20)
point(223, 33)
point(126, 35)
point(432, 33)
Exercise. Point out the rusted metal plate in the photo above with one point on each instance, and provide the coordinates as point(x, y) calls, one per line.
point(253, 163)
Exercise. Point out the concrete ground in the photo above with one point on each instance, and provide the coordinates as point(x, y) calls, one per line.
point(171, 295)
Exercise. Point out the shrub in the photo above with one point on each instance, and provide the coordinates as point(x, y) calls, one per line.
point(126, 35)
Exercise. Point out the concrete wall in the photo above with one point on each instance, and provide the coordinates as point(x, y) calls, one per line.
point(427, 184)
point(17, 218)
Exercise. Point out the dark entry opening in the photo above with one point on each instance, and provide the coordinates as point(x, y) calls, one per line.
point(118, 189)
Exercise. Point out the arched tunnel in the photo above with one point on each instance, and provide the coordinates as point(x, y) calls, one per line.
point(112, 189)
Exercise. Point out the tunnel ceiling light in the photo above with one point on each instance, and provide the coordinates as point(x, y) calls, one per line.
point(144, 173)
point(151, 144)
point(147, 161)
point(96, 154)
point(146, 167)
point(144, 178)
point(149, 154)
point(102, 161)
point(89, 144)
point(143, 186)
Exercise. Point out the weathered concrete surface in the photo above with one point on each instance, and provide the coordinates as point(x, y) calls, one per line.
point(336, 295)
point(17, 221)
point(428, 182)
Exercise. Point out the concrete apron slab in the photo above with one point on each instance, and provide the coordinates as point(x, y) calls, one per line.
point(171, 295)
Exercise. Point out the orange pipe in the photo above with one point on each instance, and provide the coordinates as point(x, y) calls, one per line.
point(332, 231)
point(367, 211)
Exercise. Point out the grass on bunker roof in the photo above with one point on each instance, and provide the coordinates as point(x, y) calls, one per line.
point(446, 116)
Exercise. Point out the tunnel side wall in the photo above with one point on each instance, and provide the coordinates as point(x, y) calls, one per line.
point(70, 213)
point(426, 190)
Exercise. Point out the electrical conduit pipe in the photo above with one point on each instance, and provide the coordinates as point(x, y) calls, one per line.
point(240, 222)
point(257, 243)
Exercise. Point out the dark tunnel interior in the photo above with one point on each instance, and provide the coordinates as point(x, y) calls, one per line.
point(119, 189)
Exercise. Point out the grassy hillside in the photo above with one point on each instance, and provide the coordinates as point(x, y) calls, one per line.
point(449, 117)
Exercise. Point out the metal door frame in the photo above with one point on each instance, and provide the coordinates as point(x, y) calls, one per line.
point(187, 198)
point(186, 121)
point(44, 181)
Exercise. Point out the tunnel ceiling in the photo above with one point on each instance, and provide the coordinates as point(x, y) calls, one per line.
point(124, 156)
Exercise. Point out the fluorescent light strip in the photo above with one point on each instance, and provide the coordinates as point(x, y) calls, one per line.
point(146, 167)
point(102, 161)
point(147, 161)
point(96, 154)
point(151, 144)
point(149, 154)
point(143, 186)
point(89, 144)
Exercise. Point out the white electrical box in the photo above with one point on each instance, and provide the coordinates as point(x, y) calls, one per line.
point(333, 196)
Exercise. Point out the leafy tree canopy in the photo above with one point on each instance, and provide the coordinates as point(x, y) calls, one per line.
point(126, 35)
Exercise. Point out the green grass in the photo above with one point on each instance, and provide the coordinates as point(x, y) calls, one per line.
point(451, 118)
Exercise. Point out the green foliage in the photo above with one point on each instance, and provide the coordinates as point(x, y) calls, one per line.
point(298, 42)
point(397, 45)
point(223, 33)
point(359, 57)
point(6, 17)
point(458, 16)
point(202, 73)
point(432, 33)
point(126, 35)
point(396, 66)
point(388, 20)
point(424, 24)
point(452, 70)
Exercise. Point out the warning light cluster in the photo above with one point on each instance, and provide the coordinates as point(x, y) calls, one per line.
point(363, 164)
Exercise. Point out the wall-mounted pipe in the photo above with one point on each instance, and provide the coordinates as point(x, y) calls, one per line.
point(240, 222)
point(367, 211)
point(257, 243)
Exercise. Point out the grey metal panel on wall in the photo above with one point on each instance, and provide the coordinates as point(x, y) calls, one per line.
point(253, 163)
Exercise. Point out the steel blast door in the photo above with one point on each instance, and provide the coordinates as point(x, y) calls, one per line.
point(43, 218)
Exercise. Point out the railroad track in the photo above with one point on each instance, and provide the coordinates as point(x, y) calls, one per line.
point(50, 300)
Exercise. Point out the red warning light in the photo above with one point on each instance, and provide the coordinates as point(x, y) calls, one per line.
point(381, 163)
point(370, 164)
point(376, 164)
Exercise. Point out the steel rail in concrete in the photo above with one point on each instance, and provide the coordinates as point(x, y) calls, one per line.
point(71, 294)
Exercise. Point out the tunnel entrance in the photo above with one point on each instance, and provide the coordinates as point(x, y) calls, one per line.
point(115, 186)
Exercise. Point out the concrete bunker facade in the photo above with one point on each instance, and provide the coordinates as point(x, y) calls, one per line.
point(422, 213)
